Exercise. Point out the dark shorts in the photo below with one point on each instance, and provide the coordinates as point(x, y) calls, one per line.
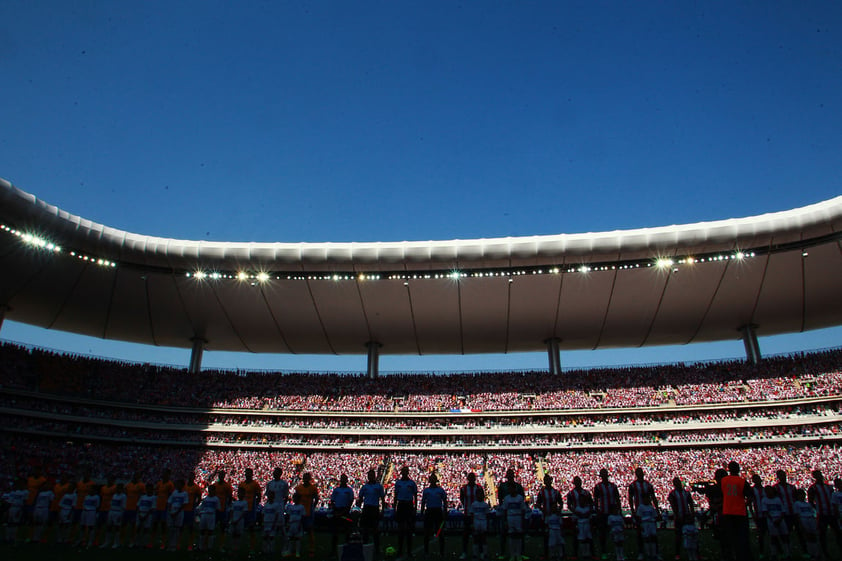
point(405, 513)
point(370, 517)
point(433, 518)
point(129, 517)
point(307, 521)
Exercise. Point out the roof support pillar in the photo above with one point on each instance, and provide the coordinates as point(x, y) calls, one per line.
point(373, 368)
point(196, 355)
point(750, 343)
point(553, 355)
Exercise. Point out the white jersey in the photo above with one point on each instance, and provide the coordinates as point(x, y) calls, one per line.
point(515, 509)
point(43, 500)
point(272, 515)
point(690, 534)
point(65, 507)
point(175, 507)
point(295, 512)
point(281, 490)
point(583, 523)
point(648, 520)
point(480, 510)
point(207, 513)
point(806, 517)
point(554, 535)
point(772, 509)
point(617, 526)
point(118, 507)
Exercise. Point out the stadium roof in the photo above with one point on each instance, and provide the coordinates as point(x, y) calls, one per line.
point(668, 285)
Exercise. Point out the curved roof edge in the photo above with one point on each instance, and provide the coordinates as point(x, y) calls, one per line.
point(21, 209)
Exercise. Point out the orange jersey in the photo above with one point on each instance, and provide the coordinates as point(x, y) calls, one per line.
point(309, 495)
point(133, 493)
point(193, 492)
point(252, 490)
point(163, 490)
point(733, 491)
point(105, 497)
point(60, 491)
point(33, 485)
point(224, 491)
point(83, 488)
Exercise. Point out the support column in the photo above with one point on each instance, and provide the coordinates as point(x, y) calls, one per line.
point(750, 343)
point(373, 370)
point(553, 355)
point(196, 355)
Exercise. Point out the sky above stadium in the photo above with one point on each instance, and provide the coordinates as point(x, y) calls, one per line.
point(391, 121)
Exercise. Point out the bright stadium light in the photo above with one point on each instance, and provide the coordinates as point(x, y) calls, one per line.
point(262, 276)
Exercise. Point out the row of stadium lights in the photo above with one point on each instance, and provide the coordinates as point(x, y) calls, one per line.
point(261, 277)
point(40, 243)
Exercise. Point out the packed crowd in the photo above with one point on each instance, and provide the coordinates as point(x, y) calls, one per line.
point(55, 457)
point(800, 375)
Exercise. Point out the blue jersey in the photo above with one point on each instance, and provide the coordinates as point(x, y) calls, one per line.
point(405, 490)
point(371, 494)
point(342, 497)
point(433, 497)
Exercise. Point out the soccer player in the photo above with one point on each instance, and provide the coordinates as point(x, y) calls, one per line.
point(163, 489)
point(372, 497)
point(836, 503)
point(514, 507)
point(638, 490)
point(736, 492)
point(555, 539)
point(786, 491)
point(105, 493)
point(758, 493)
point(295, 520)
point(65, 514)
point(145, 516)
point(237, 521)
point(480, 510)
point(252, 498)
point(34, 485)
point(114, 523)
point(194, 496)
point(683, 511)
point(549, 500)
point(584, 537)
point(60, 489)
point(503, 491)
point(606, 497)
point(208, 510)
point(134, 489)
point(468, 494)
point(41, 511)
point(691, 540)
point(617, 527)
point(820, 495)
point(806, 514)
point(176, 504)
point(87, 522)
point(573, 498)
point(16, 499)
point(272, 518)
point(340, 503)
point(280, 492)
point(225, 494)
point(308, 495)
point(406, 497)
point(647, 516)
point(433, 505)
point(772, 512)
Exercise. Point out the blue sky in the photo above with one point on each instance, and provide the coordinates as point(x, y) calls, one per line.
point(389, 121)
